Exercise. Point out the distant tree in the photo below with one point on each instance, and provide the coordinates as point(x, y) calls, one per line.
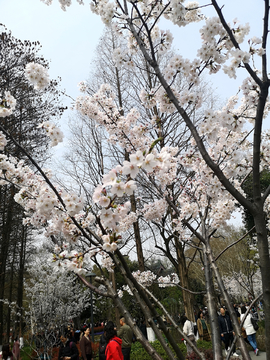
point(32, 108)
point(53, 298)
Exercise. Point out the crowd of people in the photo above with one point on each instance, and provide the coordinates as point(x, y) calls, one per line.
point(116, 345)
point(201, 329)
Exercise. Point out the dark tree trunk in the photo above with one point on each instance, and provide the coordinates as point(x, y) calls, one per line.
point(211, 304)
point(11, 286)
point(21, 276)
point(263, 248)
point(188, 298)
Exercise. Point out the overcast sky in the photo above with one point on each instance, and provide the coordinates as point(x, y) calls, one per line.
point(69, 38)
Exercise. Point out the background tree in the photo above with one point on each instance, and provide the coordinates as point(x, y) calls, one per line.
point(32, 108)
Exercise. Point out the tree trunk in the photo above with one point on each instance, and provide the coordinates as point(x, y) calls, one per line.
point(137, 236)
point(117, 315)
point(263, 248)
point(11, 286)
point(238, 331)
point(210, 291)
point(6, 204)
point(188, 298)
point(211, 306)
point(23, 231)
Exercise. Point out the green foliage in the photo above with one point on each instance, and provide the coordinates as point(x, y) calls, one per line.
point(138, 352)
point(204, 345)
point(26, 352)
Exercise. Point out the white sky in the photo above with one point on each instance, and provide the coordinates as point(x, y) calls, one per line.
point(69, 38)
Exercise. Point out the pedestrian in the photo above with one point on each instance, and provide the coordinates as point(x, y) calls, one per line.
point(144, 329)
point(189, 331)
point(102, 348)
point(68, 349)
point(126, 335)
point(203, 327)
point(6, 353)
point(113, 349)
point(86, 345)
point(16, 349)
point(250, 331)
point(226, 330)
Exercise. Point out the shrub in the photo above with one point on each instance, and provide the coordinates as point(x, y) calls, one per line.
point(208, 353)
point(138, 352)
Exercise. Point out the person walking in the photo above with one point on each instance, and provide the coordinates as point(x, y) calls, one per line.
point(226, 330)
point(113, 349)
point(189, 331)
point(250, 331)
point(126, 334)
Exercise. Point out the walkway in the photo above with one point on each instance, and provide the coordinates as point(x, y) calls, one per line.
point(261, 356)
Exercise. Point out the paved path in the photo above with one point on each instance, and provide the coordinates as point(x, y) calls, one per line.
point(261, 356)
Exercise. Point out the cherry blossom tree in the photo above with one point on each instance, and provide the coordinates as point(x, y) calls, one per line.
point(219, 158)
point(90, 154)
point(53, 298)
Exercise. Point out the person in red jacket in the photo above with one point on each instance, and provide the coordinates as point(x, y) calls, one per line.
point(113, 348)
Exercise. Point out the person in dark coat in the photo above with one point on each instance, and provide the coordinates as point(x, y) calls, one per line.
point(102, 348)
point(86, 345)
point(226, 330)
point(143, 329)
point(6, 353)
point(68, 349)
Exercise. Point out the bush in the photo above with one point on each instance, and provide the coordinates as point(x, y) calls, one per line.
point(25, 353)
point(204, 345)
point(208, 353)
point(138, 352)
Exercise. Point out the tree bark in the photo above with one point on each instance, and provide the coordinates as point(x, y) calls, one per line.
point(21, 276)
point(237, 330)
point(211, 306)
point(263, 249)
point(188, 298)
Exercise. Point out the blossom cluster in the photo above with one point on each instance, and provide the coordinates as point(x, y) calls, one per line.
point(169, 280)
point(145, 278)
point(124, 131)
point(7, 104)
point(37, 75)
point(217, 46)
point(148, 278)
point(63, 3)
point(54, 133)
